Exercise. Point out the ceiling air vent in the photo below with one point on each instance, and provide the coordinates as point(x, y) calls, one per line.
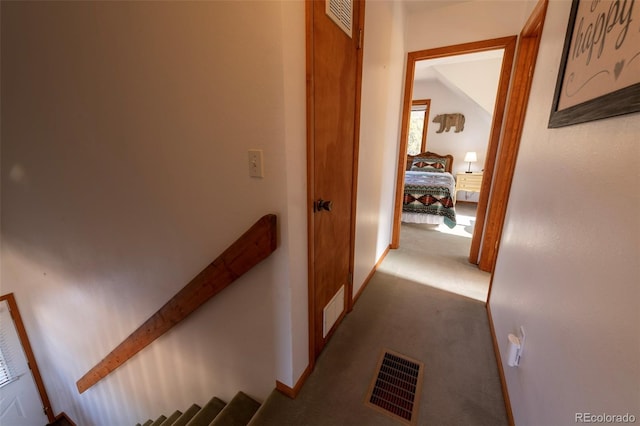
point(341, 12)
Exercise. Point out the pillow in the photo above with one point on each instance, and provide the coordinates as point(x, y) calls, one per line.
point(429, 165)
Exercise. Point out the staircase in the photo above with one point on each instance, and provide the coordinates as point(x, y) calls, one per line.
point(238, 412)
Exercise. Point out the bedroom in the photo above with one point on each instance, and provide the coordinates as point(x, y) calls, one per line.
point(464, 84)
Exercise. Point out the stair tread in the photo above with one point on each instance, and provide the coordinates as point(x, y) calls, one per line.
point(159, 420)
point(207, 413)
point(187, 415)
point(147, 423)
point(265, 412)
point(172, 418)
point(238, 412)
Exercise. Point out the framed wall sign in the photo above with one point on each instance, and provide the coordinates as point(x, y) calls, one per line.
point(599, 73)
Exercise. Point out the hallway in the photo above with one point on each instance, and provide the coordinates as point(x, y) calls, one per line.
point(425, 306)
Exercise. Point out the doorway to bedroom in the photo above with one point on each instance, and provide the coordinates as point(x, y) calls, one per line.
point(466, 86)
point(463, 86)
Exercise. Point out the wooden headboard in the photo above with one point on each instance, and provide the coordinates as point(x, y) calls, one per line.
point(428, 154)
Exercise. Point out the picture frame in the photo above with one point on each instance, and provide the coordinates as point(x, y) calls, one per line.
point(599, 75)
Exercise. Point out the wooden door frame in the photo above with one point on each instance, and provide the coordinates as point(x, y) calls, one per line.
point(31, 359)
point(528, 46)
point(509, 45)
point(359, 32)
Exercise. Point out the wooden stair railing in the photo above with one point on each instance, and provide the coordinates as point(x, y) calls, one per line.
point(247, 251)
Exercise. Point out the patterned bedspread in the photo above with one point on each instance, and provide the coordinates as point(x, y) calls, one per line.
point(430, 193)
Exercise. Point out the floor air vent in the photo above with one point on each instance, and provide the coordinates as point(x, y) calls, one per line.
point(395, 390)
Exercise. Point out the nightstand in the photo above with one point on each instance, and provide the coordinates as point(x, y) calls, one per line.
point(470, 182)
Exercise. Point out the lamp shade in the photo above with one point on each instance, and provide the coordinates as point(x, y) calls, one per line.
point(471, 157)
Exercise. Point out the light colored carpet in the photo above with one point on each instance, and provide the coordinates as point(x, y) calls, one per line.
point(404, 308)
point(437, 256)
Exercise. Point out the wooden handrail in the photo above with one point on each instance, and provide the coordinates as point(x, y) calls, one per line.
point(250, 249)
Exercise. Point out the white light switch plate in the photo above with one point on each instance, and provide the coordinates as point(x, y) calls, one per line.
point(255, 163)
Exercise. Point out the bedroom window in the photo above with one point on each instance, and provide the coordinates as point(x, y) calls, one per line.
point(418, 123)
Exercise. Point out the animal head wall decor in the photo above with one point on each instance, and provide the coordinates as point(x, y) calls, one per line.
point(449, 120)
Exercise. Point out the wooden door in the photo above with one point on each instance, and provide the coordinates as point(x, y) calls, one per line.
point(333, 88)
point(23, 399)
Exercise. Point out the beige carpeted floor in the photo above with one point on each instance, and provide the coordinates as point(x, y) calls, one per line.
point(427, 305)
point(437, 256)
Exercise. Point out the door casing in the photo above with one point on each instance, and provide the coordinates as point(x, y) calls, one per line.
point(528, 46)
point(524, 68)
point(509, 46)
point(26, 347)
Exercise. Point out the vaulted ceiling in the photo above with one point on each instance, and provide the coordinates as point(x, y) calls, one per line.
point(474, 74)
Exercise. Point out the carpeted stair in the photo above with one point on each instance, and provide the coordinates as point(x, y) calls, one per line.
point(238, 412)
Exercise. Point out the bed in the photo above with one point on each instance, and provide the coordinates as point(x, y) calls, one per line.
point(429, 190)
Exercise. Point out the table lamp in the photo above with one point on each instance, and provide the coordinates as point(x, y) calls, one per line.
point(470, 157)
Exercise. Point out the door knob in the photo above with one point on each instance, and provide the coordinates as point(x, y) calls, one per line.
point(322, 205)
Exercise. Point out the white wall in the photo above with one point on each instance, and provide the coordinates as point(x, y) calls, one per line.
point(383, 74)
point(465, 22)
point(295, 310)
point(474, 137)
point(568, 263)
point(432, 28)
point(124, 173)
